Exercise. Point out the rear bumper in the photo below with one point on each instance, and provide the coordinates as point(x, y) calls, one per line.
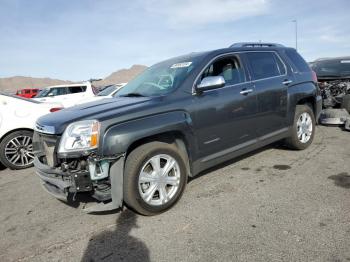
point(60, 184)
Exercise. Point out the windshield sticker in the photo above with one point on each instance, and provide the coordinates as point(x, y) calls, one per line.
point(345, 61)
point(181, 65)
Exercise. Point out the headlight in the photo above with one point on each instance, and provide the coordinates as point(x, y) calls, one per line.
point(80, 136)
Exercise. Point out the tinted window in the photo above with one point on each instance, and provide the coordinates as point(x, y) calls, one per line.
point(57, 91)
point(298, 62)
point(265, 64)
point(76, 89)
point(229, 68)
point(27, 91)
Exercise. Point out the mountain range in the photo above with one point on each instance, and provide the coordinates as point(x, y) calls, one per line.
point(12, 84)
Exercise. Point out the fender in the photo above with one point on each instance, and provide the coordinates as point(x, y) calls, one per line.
point(118, 138)
point(296, 93)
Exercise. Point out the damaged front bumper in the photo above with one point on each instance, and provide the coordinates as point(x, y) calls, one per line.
point(64, 183)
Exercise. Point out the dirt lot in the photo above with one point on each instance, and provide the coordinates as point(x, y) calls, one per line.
point(271, 205)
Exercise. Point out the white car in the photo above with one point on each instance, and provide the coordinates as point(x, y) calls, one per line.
point(67, 95)
point(17, 119)
point(107, 92)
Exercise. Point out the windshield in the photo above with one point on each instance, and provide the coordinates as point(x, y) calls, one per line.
point(160, 78)
point(107, 91)
point(332, 68)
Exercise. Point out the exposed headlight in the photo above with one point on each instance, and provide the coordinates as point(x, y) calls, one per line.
point(80, 136)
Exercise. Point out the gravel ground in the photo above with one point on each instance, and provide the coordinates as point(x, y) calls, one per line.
point(271, 205)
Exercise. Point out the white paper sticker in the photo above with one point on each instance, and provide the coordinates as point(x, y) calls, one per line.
point(181, 65)
point(345, 61)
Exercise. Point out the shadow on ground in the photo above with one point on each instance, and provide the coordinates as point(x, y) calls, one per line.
point(341, 180)
point(117, 245)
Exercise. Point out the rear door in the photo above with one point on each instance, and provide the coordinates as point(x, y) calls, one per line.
point(270, 79)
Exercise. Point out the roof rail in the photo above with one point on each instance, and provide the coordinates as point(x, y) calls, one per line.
point(256, 44)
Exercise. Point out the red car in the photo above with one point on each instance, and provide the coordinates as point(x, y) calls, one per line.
point(28, 93)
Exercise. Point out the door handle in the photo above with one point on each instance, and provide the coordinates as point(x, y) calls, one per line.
point(246, 91)
point(287, 82)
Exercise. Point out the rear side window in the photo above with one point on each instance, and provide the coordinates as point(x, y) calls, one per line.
point(265, 65)
point(229, 68)
point(57, 91)
point(298, 62)
point(76, 89)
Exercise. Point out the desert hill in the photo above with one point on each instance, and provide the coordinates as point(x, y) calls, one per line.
point(11, 84)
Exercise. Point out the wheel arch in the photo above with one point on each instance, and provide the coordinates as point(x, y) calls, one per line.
point(309, 100)
point(176, 136)
point(15, 130)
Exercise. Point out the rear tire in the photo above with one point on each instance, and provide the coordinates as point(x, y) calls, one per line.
point(151, 188)
point(303, 129)
point(16, 150)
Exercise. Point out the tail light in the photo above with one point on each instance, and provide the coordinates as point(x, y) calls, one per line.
point(314, 76)
point(54, 109)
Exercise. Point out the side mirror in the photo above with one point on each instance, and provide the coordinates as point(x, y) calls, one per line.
point(210, 82)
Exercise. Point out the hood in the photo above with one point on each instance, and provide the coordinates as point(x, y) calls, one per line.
point(332, 78)
point(105, 109)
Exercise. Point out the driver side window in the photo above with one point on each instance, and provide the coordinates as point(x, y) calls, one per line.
point(229, 68)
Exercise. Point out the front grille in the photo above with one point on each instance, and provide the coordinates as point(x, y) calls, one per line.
point(45, 147)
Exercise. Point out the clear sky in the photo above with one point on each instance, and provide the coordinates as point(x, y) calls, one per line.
point(77, 40)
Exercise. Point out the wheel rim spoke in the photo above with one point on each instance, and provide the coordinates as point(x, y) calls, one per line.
point(155, 162)
point(168, 167)
point(150, 192)
point(163, 196)
point(146, 178)
point(172, 180)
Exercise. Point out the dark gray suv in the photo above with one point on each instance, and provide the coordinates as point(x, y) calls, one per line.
point(176, 119)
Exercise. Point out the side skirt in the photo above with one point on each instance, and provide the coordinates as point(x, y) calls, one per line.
point(238, 150)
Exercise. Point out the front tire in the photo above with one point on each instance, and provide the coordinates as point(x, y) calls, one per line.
point(16, 150)
point(303, 130)
point(155, 177)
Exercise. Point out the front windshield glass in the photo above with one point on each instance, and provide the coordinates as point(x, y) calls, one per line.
point(160, 78)
point(332, 68)
point(43, 93)
point(107, 91)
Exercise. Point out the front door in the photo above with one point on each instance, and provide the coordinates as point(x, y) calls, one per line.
point(224, 117)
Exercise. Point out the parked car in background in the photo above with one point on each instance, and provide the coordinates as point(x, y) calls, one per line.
point(107, 92)
point(17, 119)
point(67, 95)
point(174, 120)
point(333, 75)
point(27, 92)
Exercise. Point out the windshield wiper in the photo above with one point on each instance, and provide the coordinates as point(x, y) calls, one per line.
point(133, 95)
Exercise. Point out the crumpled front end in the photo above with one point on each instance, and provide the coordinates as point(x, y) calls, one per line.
point(66, 177)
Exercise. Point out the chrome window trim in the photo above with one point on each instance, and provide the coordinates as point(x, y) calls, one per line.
point(247, 81)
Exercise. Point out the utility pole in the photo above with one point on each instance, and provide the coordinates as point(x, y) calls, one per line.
point(296, 33)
